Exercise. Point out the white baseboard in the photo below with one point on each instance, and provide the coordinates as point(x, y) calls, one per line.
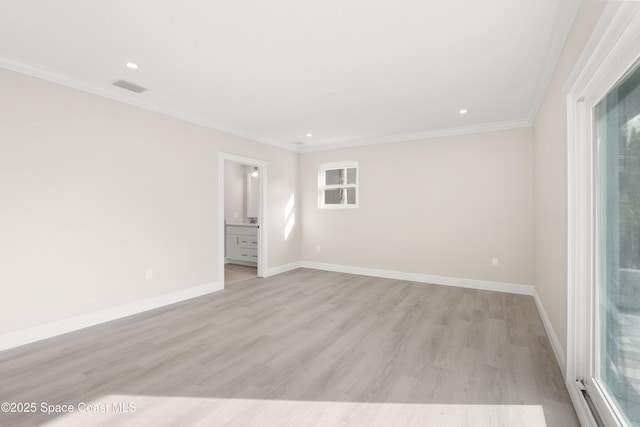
point(423, 278)
point(551, 334)
point(49, 330)
point(272, 271)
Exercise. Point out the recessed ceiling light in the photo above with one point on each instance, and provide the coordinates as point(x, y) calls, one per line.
point(463, 111)
point(132, 65)
point(309, 135)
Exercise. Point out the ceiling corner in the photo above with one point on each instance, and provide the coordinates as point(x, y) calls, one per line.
point(562, 24)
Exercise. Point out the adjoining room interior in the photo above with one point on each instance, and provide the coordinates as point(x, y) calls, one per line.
point(331, 213)
point(242, 221)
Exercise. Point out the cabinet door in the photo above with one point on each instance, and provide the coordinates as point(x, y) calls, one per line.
point(233, 247)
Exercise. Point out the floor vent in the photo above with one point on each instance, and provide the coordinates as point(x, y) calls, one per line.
point(129, 86)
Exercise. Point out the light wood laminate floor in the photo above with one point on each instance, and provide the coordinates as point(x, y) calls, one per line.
point(303, 348)
point(234, 273)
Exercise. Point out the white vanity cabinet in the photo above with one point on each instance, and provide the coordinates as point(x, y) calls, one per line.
point(242, 244)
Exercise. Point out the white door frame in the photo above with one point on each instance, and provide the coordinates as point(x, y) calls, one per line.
point(612, 50)
point(262, 211)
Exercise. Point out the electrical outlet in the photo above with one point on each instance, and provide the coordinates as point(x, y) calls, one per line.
point(148, 273)
point(317, 248)
point(495, 262)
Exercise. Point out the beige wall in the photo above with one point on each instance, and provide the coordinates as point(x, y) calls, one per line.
point(234, 192)
point(442, 206)
point(550, 171)
point(251, 199)
point(94, 191)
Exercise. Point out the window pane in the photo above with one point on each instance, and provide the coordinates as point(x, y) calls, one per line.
point(333, 197)
point(351, 176)
point(334, 177)
point(618, 191)
point(351, 196)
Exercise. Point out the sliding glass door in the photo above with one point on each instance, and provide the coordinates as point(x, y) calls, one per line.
point(614, 383)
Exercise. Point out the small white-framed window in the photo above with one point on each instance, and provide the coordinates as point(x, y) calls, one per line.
point(338, 185)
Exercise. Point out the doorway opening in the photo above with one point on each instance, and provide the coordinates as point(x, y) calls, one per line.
point(241, 218)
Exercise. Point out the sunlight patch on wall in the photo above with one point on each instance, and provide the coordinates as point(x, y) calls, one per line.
point(289, 216)
point(288, 209)
point(289, 227)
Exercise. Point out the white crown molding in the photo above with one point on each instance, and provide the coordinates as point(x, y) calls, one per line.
point(44, 73)
point(416, 136)
point(596, 51)
point(53, 76)
point(423, 278)
point(562, 24)
point(49, 330)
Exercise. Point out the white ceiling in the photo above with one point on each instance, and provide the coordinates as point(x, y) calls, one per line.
point(350, 72)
